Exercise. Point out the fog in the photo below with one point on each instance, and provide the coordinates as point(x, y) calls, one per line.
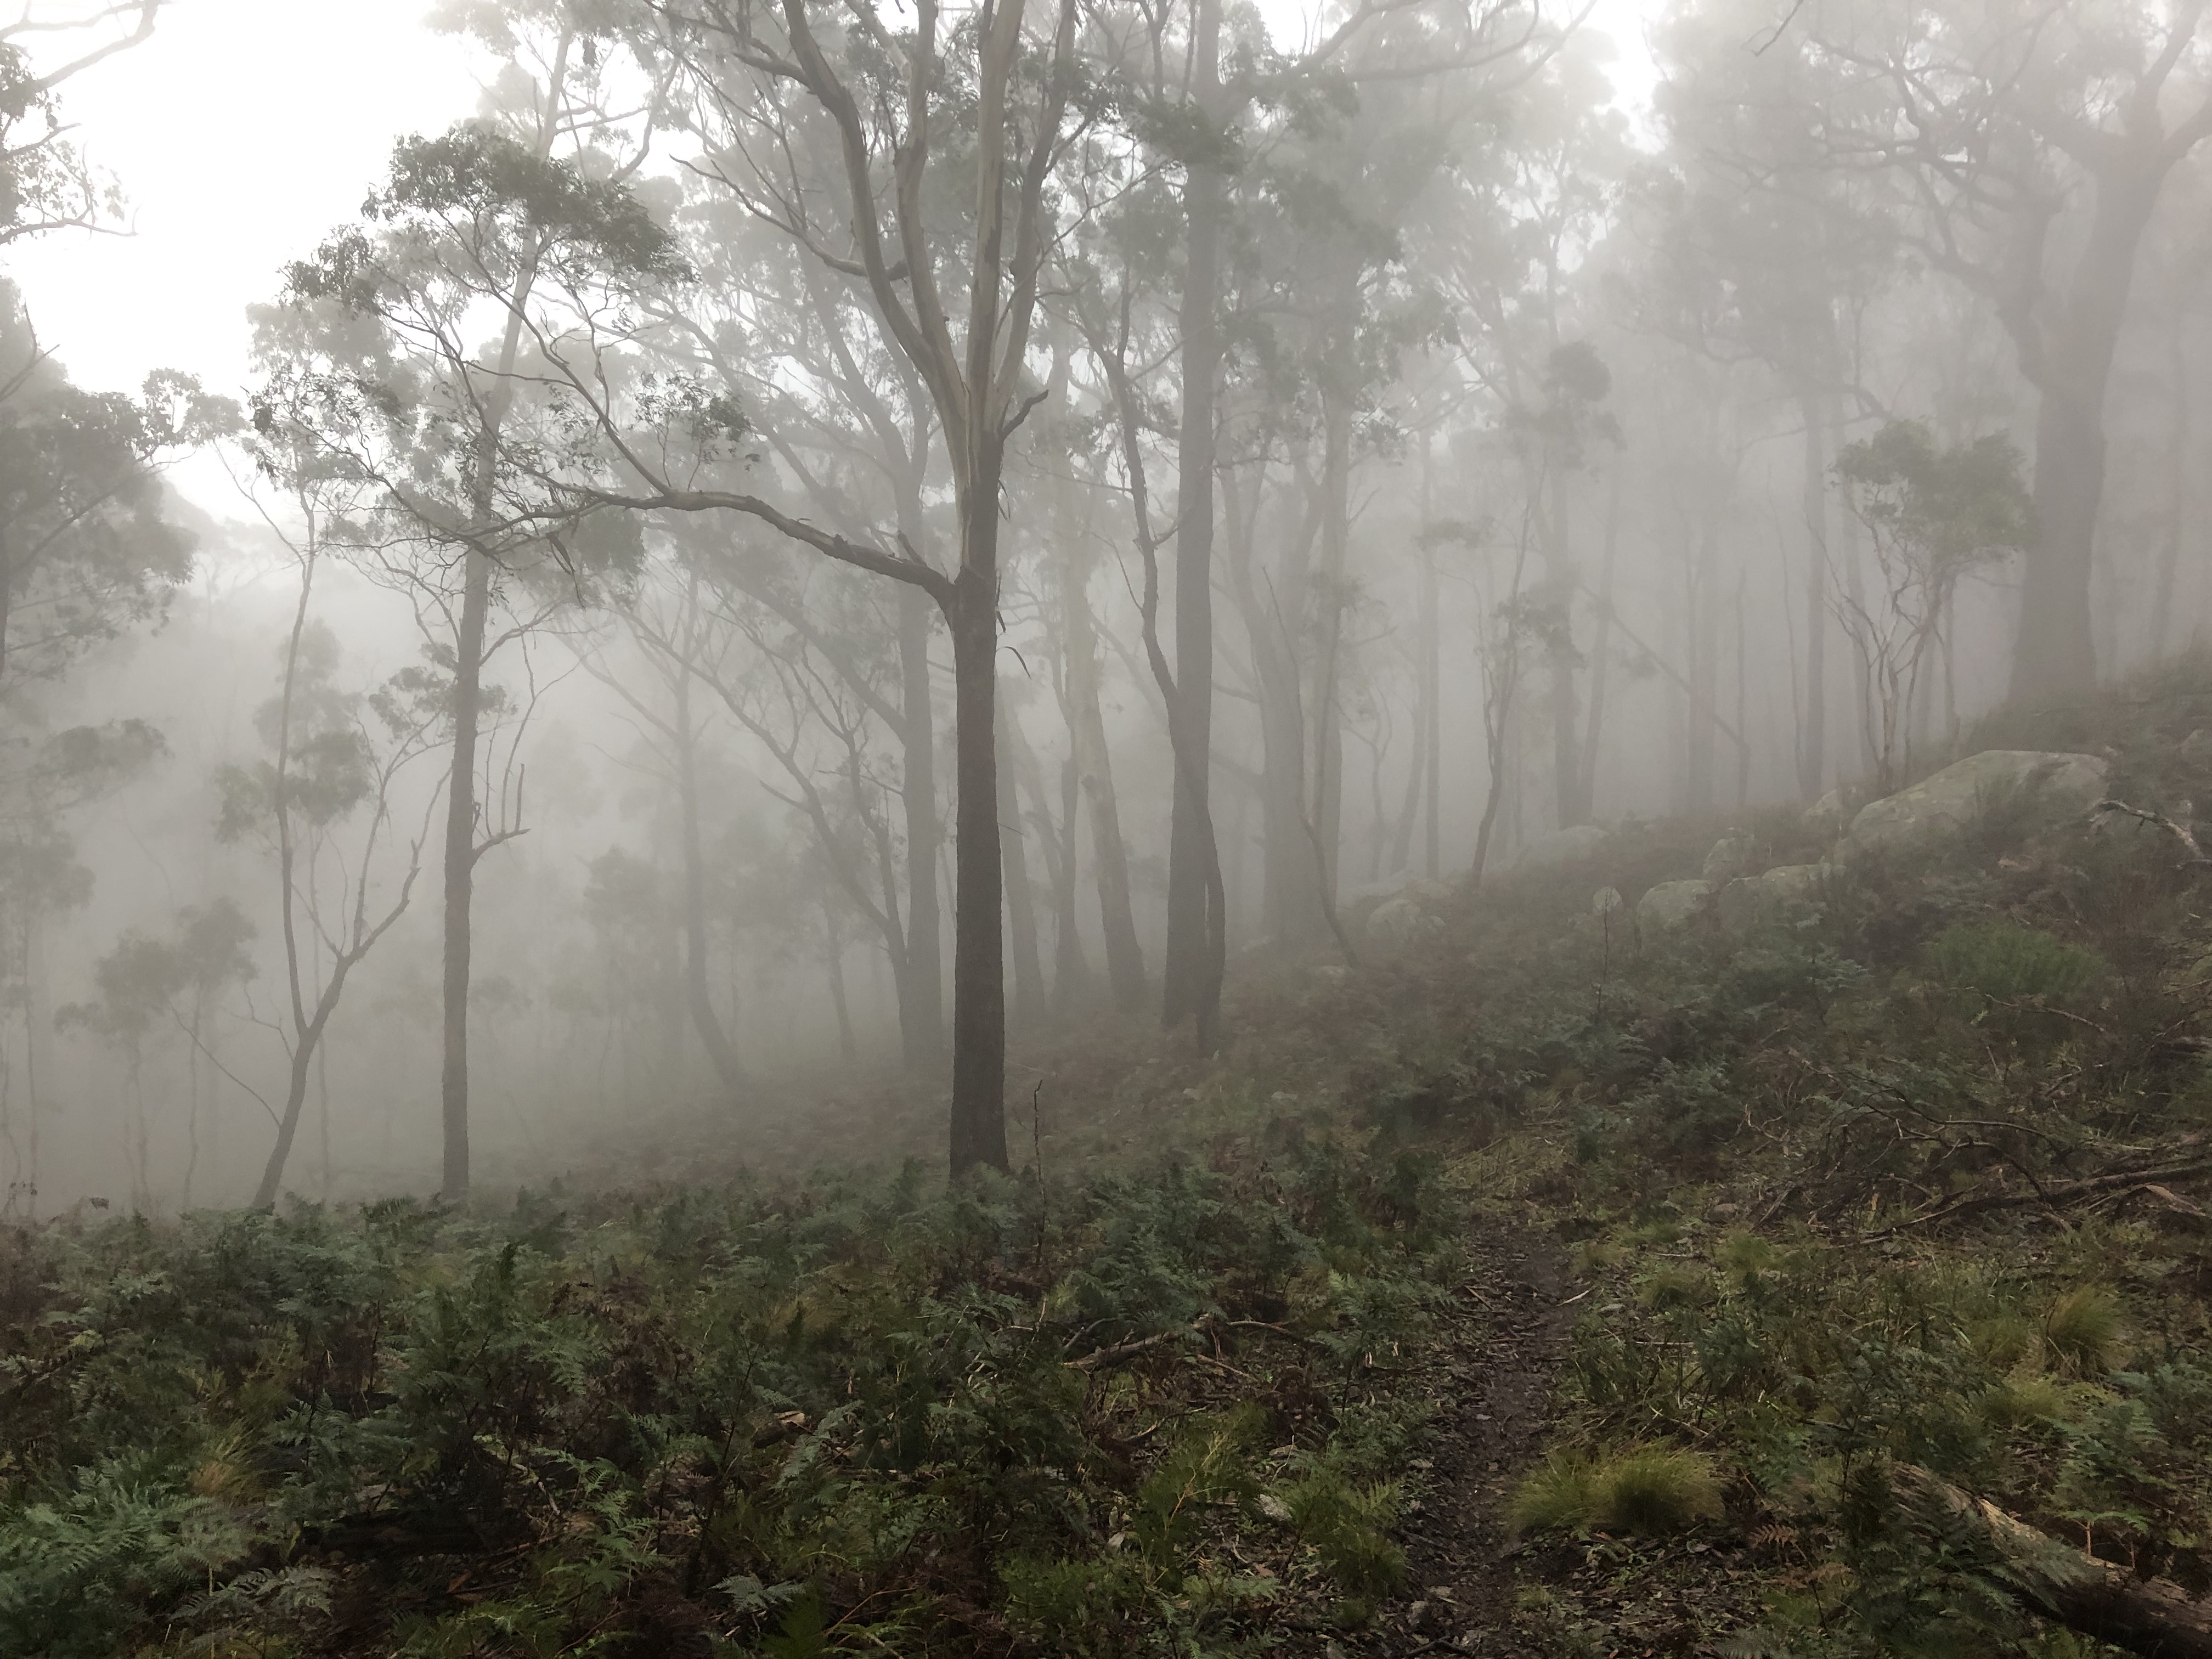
point(668, 574)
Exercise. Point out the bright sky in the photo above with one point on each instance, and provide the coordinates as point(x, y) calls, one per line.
point(242, 132)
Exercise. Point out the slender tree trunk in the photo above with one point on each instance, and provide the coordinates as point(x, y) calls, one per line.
point(1071, 968)
point(295, 1093)
point(460, 860)
point(833, 960)
point(1125, 956)
point(7, 602)
point(1742, 700)
point(1189, 983)
point(921, 977)
point(1813, 741)
point(1055, 839)
point(1021, 896)
point(1273, 619)
point(1602, 643)
point(1420, 780)
point(193, 1100)
point(1702, 596)
point(1559, 578)
point(2174, 530)
point(1327, 821)
point(729, 1070)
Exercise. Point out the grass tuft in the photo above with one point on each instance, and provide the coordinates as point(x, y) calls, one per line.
point(1650, 1490)
point(2084, 1330)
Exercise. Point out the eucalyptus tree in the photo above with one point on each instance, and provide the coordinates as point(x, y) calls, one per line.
point(1933, 512)
point(520, 224)
point(1526, 194)
point(828, 128)
point(1325, 310)
point(148, 981)
point(321, 801)
point(1216, 94)
point(47, 182)
point(669, 624)
point(50, 777)
point(846, 416)
point(1757, 247)
point(88, 546)
point(2031, 143)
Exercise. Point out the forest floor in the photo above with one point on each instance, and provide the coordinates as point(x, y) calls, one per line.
point(1523, 1293)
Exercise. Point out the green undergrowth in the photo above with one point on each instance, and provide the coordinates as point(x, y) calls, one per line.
point(1901, 1200)
point(1893, 1207)
point(1150, 1414)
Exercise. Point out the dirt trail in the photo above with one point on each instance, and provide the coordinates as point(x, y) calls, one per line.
point(1494, 1388)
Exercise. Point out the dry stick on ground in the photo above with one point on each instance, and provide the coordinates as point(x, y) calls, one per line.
point(2055, 1195)
point(2148, 1616)
point(2179, 831)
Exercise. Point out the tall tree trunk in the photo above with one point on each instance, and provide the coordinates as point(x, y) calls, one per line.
point(1812, 740)
point(1273, 619)
point(1421, 776)
point(729, 1070)
point(1021, 896)
point(295, 1093)
point(1055, 839)
point(921, 968)
point(1560, 580)
point(2070, 360)
point(2174, 529)
point(1432, 742)
point(1125, 956)
point(833, 962)
point(1701, 629)
point(1071, 968)
point(1602, 644)
point(978, 1128)
point(460, 851)
point(1189, 981)
point(1327, 822)
point(460, 861)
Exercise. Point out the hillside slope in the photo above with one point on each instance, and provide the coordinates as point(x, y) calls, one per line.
point(1555, 1280)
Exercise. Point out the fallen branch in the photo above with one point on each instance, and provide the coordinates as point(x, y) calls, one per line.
point(1120, 1351)
point(1135, 1346)
point(2180, 832)
point(2059, 1192)
point(2149, 1616)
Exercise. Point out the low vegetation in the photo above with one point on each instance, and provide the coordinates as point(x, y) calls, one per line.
point(1098, 1419)
point(1876, 1224)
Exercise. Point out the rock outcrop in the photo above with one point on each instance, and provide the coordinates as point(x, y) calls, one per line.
point(1398, 922)
point(2032, 788)
point(1729, 858)
point(1670, 905)
point(1787, 893)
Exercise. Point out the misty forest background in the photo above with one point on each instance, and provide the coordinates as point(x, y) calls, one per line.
point(796, 548)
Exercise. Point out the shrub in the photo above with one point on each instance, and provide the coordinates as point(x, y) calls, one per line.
point(2004, 962)
point(1349, 1528)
